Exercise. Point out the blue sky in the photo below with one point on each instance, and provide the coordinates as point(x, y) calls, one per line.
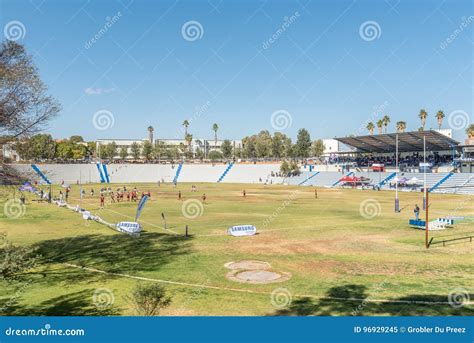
point(321, 69)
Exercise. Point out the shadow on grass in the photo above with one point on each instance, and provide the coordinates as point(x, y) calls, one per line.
point(74, 304)
point(328, 306)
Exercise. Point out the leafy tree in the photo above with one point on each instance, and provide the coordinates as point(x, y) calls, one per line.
point(288, 150)
point(470, 131)
point(189, 141)
point(295, 169)
point(147, 150)
point(249, 146)
point(76, 139)
point(135, 150)
point(278, 144)
point(65, 150)
point(91, 146)
point(149, 299)
point(111, 150)
point(317, 149)
point(160, 150)
point(370, 126)
point(386, 121)
point(215, 128)
point(15, 260)
point(215, 155)
point(123, 152)
point(285, 167)
point(199, 154)
point(380, 125)
point(79, 151)
point(263, 146)
point(401, 126)
point(186, 125)
point(303, 143)
point(226, 148)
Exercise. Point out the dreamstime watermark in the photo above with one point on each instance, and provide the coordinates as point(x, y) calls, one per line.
point(103, 298)
point(103, 120)
point(377, 288)
point(281, 298)
point(192, 30)
point(192, 208)
point(370, 30)
point(458, 297)
point(287, 21)
point(109, 22)
point(370, 208)
point(458, 120)
point(376, 113)
point(199, 111)
point(452, 37)
point(281, 120)
point(14, 208)
point(280, 208)
point(14, 30)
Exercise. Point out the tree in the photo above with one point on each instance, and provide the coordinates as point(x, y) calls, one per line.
point(149, 299)
point(303, 143)
point(76, 139)
point(439, 117)
point(91, 146)
point(380, 125)
point(135, 150)
point(25, 106)
point(294, 168)
point(423, 115)
point(147, 150)
point(186, 125)
point(263, 146)
point(215, 127)
point(160, 150)
point(317, 148)
point(111, 150)
point(288, 150)
point(386, 121)
point(15, 260)
point(470, 131)
point(285, 168)
point(278, 144)
point(189, 141)
point(226, 148)
point(215, 155)
point(79, 151)
point(199, 154)
point(401, 126)
point(370, 126)
point(42, 146)
point(123, 152)
point(64, 150)
point(249, 146)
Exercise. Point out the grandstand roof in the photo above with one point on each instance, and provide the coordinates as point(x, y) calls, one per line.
point(407, 142)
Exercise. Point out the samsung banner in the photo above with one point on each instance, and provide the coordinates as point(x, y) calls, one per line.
point(242, 230)
point(141, 204)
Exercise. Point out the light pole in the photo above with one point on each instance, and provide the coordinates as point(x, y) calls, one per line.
point(424, 173)
point(397, 202)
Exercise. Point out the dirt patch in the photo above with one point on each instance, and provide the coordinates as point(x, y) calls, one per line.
point(254, 272)
point(258, 276)
point(248, 265)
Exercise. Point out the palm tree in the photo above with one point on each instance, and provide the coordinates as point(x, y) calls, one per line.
point(470, 131)
point(189, 140)
point(439, 117)
point(150, 134)
point(186, 125)
point(386, 121)
point(215, 127)
point(401, 126)
point(423, 114)
point(370, 126)
point(380, 125)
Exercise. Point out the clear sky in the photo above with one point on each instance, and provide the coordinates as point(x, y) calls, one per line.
point(331, 67)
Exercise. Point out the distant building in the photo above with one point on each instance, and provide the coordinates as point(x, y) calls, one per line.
point(331, 146)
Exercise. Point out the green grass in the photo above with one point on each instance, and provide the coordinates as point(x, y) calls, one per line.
point(330, 249)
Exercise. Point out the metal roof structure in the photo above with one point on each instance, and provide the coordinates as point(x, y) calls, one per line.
point(407, 142)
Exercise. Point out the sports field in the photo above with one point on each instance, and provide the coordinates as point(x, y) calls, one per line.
point(346, 252)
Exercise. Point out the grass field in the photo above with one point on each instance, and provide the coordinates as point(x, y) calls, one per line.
point(341, 262)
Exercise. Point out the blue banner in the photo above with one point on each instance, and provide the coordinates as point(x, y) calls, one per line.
point(237, 329)
point(141, 204)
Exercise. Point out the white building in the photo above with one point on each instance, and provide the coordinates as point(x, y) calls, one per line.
point(331, 146)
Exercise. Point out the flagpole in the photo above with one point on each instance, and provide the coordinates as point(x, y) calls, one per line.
point(397, 203)
point(424, 173)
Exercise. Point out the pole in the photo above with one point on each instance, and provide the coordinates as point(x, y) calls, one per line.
point(427, 245)
point(397, 202)
point(424, 173)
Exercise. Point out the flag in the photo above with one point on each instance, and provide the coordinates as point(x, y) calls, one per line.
point(141, 204)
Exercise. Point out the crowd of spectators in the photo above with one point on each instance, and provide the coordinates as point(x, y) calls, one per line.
point(413, 160)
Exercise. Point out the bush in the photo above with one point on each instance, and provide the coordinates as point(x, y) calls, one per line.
point(148, 300)
point(15, 260)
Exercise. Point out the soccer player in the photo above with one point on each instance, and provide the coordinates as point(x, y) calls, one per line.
point(179, 195)
point(102, 200)
point(244, 193)
point(204, 198)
